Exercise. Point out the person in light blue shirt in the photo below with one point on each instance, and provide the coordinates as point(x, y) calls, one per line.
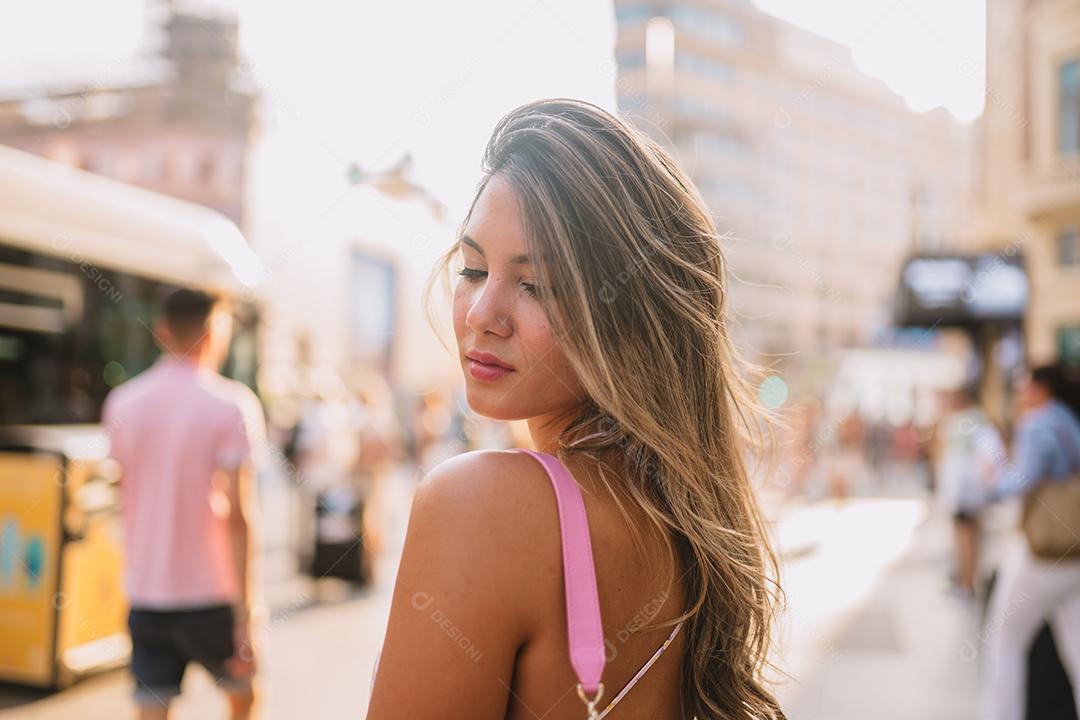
point(1031, 590)
point(1047, 444)
point(969, 449)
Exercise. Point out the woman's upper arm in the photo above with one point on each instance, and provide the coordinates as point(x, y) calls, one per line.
point(458, 614)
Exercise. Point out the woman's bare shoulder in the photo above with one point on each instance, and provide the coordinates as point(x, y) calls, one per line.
point(473, 581)
point(488, 481)
point(498, 508)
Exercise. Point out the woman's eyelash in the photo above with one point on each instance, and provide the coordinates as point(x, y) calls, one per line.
point(471, 275)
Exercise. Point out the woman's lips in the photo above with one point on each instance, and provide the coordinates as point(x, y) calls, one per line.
point(483, 371)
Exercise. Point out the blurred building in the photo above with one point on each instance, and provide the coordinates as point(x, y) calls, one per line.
point(822, 176)
point(184, 121)
point(177, 122)
point(1028, 187)
point(342, 295)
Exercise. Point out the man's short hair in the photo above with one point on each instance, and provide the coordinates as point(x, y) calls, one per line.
point(1050, 377)
point(970, 391)
point(187, 313)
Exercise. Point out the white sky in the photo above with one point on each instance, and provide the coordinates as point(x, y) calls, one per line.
point(344, 81)
point(932, 52)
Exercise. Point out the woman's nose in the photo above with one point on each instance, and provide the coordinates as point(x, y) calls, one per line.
point(489, 310)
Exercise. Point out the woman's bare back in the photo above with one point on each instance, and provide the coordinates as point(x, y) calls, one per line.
point(632, 594)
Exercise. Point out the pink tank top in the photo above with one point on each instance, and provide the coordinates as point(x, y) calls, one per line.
point(583, 622)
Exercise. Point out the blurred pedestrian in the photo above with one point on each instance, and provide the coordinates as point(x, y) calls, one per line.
point(327, 447)
point(847, 456)
point(968, 445)
point(1030, 589)
point(439, 428)
point(186, 439)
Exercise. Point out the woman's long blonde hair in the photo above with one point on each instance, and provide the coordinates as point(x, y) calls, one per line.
point(636, 278)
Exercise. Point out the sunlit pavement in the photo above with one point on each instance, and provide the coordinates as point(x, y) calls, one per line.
point(870, 631)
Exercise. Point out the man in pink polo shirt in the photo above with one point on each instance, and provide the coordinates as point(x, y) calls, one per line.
point(186, 439)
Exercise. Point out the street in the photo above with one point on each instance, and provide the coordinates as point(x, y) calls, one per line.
point(869, 630)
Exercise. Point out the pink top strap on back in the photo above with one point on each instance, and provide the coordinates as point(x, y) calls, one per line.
point(584, 627)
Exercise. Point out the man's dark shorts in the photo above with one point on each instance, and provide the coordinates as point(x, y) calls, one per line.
point(163, 642)
point(966, 517)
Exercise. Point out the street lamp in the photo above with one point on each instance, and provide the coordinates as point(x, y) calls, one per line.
point(393, 182)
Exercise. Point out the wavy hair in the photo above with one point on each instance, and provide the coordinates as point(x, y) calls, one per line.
point(637, 279)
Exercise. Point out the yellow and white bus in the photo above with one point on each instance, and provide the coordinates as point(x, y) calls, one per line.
point(83, 261)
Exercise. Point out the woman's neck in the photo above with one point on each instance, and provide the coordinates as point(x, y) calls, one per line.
point(545, 430)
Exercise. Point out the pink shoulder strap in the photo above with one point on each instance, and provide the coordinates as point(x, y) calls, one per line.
point(584, 627)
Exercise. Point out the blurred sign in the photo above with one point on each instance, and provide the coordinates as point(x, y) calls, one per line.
point(962, 290)
point(30, 499)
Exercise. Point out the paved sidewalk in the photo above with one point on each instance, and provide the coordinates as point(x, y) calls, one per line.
point(874, 631)
point(871, 631)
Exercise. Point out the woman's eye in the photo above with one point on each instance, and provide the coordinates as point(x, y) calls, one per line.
point(472, 275)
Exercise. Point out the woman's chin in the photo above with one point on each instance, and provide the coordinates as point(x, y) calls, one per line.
point(491, 402)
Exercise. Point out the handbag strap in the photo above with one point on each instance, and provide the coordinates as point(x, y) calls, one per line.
point(584, 627)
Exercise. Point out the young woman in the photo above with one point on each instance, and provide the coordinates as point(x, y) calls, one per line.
point(590, 303)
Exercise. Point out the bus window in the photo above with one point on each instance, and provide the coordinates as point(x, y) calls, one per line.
point(56, 367)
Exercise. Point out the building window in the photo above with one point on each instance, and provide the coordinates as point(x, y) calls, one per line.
point(1068, 243)
point(626, 59)
point(372, 309)
point(633, 13)
point(718, 145)
point(1068, 342)
point(633, 102)
point(704, 66)
point(1069, 107)
point(697, 107)
point(716, 26)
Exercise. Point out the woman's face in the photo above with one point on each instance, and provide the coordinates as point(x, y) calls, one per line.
point(496, 312)
point(1030, 394)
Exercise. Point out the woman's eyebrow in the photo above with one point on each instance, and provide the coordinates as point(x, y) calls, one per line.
point(518, 260)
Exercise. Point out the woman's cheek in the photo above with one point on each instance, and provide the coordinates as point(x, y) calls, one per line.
point(461, 305)
point(554, 370)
